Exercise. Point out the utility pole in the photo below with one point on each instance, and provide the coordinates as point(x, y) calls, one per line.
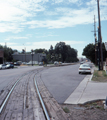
point(96, 44)
point(100, 53)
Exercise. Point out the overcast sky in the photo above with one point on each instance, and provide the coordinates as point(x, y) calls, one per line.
point(34, 24)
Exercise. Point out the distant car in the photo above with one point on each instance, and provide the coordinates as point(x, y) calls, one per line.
point(16, 64)
point(9, 66)
point(60, 63)
point(81, 62)
point(40, 63)
point(56, 63)
point(84, 68)
point(2, 66)
point(24, 63)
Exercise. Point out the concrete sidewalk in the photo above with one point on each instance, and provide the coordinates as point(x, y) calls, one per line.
point(88, 91)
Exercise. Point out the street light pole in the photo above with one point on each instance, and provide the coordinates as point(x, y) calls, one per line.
point(38, 58)
point(32, 59)
point(24, 52)
point(32, 56)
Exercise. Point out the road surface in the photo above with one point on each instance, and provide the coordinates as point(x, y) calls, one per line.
point(62, 81)
point(10, 75)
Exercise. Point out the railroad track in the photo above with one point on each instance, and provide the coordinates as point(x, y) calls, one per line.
point(23, 101)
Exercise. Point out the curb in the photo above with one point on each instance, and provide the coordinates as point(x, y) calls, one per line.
point(62, 65)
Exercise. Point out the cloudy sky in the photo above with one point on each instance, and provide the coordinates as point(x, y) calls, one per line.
point(34, 24)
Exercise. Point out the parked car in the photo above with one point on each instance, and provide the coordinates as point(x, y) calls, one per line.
point(84, 68)
point(9, 66)
point(2, 66)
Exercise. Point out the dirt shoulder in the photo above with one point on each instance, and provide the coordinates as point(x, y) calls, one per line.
point(90, 111)
point(99, 76)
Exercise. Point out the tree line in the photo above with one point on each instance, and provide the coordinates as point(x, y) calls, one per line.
point(60, 52)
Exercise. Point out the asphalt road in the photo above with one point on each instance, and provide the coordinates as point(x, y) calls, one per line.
point(10, 75)
point(62, 81)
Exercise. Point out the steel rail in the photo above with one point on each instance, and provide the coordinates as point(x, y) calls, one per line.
point(42, 103)
point(4, 102)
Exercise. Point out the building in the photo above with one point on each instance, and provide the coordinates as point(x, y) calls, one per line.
point(28, 57)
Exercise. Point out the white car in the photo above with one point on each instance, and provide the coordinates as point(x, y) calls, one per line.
point(84, 68)
point(40, 63)
point(56, 63)
point(2, 66)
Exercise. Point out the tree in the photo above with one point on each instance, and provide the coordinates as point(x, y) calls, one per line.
point(89, 52)
point(61, 49)
point(71, 54)
point(40, 51)
point(65, 53)
point(51, 50)
point(50, 54)
point(7, 53)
